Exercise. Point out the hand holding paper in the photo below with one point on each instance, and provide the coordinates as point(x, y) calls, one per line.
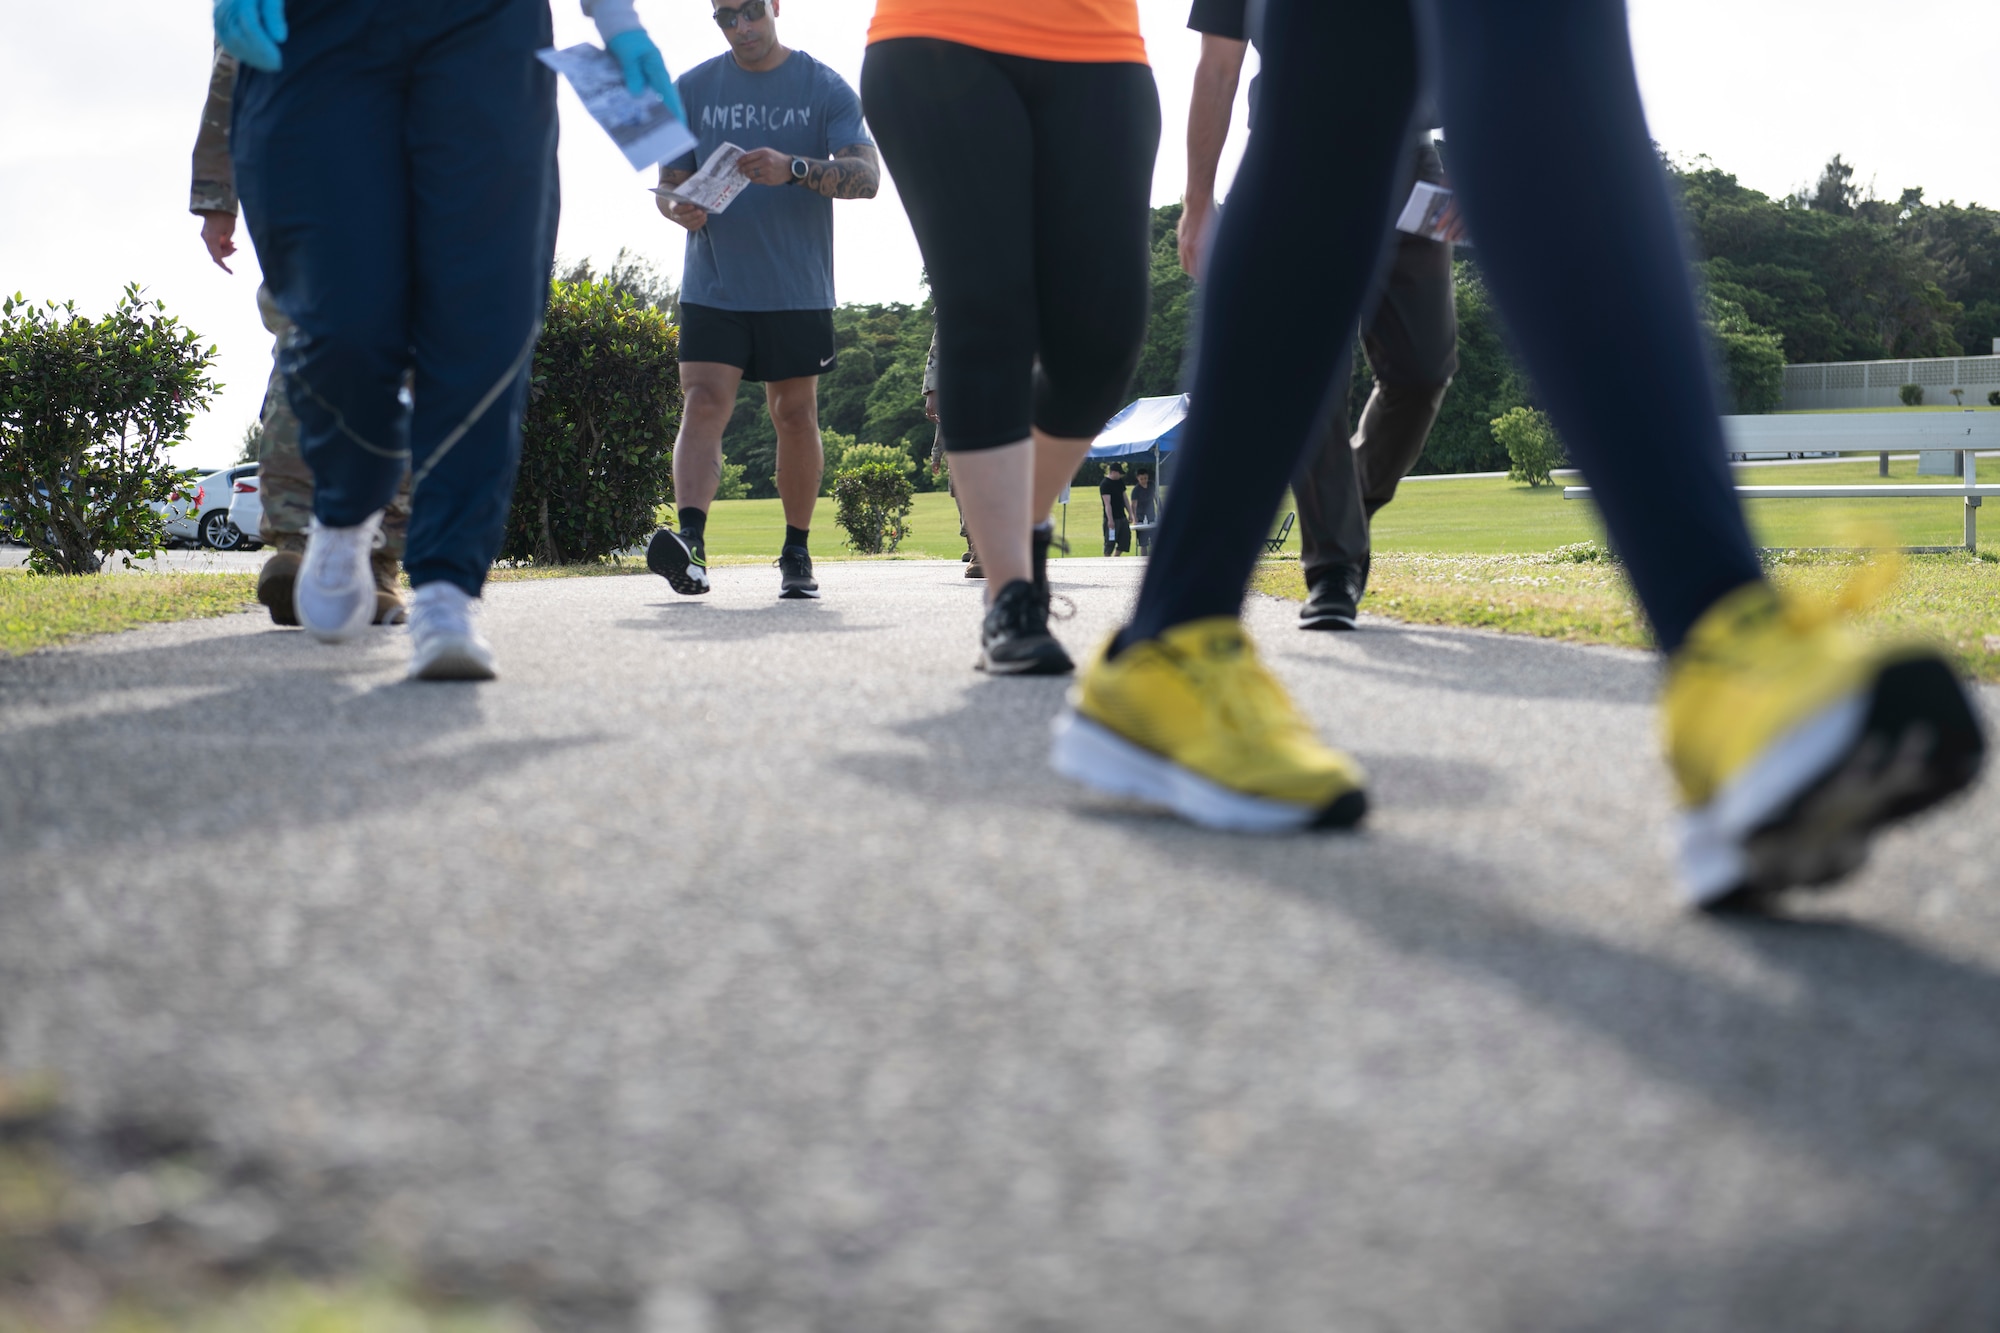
point(644, 67)
point(711, 188)
point(644, 125)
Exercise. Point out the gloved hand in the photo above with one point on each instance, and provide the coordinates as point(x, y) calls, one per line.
point(251, 30)
point(643, 64)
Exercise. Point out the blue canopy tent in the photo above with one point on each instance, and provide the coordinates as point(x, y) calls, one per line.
point(1150, 426)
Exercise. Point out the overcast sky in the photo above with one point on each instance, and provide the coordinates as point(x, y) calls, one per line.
point(99, 103)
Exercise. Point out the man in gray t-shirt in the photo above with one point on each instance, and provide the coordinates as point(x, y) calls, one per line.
point(757, 295)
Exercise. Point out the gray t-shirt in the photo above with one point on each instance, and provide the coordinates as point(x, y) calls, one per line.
point(772, 249)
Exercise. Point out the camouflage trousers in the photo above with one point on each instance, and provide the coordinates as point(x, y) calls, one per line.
point(950, 485)
point(284, 479)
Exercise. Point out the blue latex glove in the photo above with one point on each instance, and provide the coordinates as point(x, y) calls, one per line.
point(251, 30)
point(643, 64)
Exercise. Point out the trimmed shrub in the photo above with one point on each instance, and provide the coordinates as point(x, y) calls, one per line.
point(1530, 441)
point(1912, 395)
point(889, 455)
point(88, 409)
point(873, 502)
point(604, 402)
point(1994, 398)
point(833, 447)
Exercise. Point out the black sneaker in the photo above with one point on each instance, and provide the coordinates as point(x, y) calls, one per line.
point(1015, 638)
point(681, 561)
point(795, 574)
point(1333, 599)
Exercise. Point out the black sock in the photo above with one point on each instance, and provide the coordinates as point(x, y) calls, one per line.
point(796, 536)
point(694, 523)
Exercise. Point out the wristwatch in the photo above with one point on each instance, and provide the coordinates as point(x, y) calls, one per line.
point(799, 169)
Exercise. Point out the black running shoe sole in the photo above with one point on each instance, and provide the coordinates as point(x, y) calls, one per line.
point(1344, 813)
point(672, 561)
point(1041, 663)
point(799, 594)
point(1338, 623)
point(1920, 744)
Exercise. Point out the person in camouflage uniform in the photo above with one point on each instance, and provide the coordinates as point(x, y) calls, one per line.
point(284, 479)
point(971, 557)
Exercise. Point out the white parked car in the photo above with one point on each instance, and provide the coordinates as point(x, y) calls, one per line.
point(201, 517)
point(246, 508)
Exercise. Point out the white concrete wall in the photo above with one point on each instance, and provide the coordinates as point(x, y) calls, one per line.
point(1824, 386)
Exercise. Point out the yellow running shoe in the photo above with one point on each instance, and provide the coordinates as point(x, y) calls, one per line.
point(1192, 721)
point(1793, 741)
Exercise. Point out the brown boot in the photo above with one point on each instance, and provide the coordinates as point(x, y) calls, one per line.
point(972, 569)
point(275, 579)
point(389, 609)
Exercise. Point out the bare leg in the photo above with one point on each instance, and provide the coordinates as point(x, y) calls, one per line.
point(1056, 462)
point(794, 408)
point(708, 397)
point(995, 492)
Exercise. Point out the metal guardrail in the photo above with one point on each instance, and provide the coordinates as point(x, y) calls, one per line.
point(1961, 433)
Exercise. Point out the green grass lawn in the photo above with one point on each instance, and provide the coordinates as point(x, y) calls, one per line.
point(1493, 516)
point(1469, 516)
point(37, 611)
point(741, 531)
point(1949, 600)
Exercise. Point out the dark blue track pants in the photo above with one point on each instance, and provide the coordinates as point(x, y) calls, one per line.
point(1579, 242)
point(399, 180)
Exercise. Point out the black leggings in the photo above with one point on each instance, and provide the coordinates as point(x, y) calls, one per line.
point(1541, 104)
point(1029, 184)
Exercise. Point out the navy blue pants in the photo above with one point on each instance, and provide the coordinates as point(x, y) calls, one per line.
point(399, 180)
point(1577, 235)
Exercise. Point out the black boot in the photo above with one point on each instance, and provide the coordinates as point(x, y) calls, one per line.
point(1333, 597)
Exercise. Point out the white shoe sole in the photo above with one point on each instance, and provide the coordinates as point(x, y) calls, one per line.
point(359, 594)
point(1104, 761)
point(1714, 856)
point(454, 659)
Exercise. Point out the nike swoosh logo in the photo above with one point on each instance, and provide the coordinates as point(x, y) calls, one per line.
point(829, 361)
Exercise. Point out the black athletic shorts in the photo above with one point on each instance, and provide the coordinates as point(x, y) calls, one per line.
point(765, 345)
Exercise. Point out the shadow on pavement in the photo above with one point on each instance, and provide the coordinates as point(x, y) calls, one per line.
point(710, 623)
point(1508, 666)
point(287, 734)
point(1882, 1064)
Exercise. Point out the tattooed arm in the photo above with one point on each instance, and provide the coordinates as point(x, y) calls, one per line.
point(854, 172)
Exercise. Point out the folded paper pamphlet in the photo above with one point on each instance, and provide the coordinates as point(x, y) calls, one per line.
point(1424, 215)
point(642, 127)
point(714, 185)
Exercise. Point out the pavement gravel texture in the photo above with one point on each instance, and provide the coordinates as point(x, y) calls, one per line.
point(737, 966)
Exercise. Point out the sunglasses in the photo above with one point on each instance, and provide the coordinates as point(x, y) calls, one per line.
point(747, 12)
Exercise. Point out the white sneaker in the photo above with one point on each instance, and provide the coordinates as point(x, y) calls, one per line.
point(445, 644)
point(334, 594)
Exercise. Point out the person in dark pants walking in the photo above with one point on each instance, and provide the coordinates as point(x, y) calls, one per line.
point(396, 164)
point(1409, 334)
point(1117, 515)
point(1791, 738)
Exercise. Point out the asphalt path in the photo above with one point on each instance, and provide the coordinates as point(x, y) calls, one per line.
point(737, 966)
point(197, 560)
